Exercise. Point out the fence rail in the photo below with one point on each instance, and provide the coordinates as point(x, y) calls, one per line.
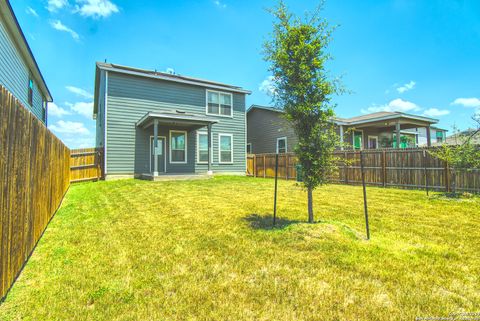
point(35, 175)
point(404, 168)
point(86, 164)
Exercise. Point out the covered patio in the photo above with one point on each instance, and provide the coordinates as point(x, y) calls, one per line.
point(384, 130)
point(182, 125)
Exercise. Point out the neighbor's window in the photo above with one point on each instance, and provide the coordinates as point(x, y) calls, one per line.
point(178, 146)
point(202, 148)
point(219, 103)
point(281, 145)
point(249, 148)
point(225, 148)
point(439, 135)
point(44, 110)
point(30, 91)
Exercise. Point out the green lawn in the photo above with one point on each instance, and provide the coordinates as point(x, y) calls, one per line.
point(205, 250)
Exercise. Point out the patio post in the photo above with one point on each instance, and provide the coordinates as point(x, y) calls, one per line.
point(429, 138)
point(397, 132)
point(155, 145)
point(209, 134)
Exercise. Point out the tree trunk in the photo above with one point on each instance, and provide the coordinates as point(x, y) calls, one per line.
point(310, 205)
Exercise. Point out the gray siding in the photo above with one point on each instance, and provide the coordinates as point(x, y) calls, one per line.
point(129, 98)
point(14, 73)
point(263, 129)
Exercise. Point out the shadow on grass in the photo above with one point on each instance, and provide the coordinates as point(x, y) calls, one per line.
point(265, 222)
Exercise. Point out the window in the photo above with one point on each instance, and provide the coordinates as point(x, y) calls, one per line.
point(372, 142)
point(44, 110)
point(219, 103)
point(178, 146)
point(30, 91)
point(439, 136)
point(249, 148)
point(225, 149)
point(202, 148)
point(282, 145)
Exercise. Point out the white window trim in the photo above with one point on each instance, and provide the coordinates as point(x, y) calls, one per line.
point(250, 148)
point(170, 146)
point(376, 139)
point(286, 146)
point(164, 154)
point(198, 147)
point(353, 139)
point(220, 148)
point(219, 114)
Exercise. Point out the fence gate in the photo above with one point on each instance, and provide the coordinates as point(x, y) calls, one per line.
point(86, 164)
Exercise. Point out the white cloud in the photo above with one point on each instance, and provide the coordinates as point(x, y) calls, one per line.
point(435, 112)
point(79, 92)
point(54, 110)
point(58, 25)
point(32, 12)
point(82, 108)
point(96, 8)
point(219, 4)
point(268, 86)
point(54, 5)
point(69, 127)
point(467, 102)
point(394, 105)
point(406, 87)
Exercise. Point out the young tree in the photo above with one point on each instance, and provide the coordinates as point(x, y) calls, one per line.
point(297, 53)
point(464, 154)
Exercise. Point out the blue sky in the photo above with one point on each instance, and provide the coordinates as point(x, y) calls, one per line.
point(420, 57)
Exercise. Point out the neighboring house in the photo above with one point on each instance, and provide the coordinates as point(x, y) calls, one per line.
point(460, 137)
point(268, 132)
point(19, 72)
point(152, 123)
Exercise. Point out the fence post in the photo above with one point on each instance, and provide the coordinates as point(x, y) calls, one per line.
point(286, 166)
point(447, 178)
point(384, 168)
point(345, 168)
point(264, 167)
point(255, 165)
point(365, 205)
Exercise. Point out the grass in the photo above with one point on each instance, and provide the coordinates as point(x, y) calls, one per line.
point(206, 250)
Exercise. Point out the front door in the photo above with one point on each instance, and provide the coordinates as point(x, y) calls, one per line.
point(160, 154)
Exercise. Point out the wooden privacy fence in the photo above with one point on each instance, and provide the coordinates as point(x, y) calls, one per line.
point(35, 175)
point(404, 168)
point(86, 164)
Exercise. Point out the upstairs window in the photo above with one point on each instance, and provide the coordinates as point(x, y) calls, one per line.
point(219, 103)
point(30, 91)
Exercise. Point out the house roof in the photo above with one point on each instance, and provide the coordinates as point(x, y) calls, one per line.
point(154, 74)
point(6, 12)
point(373, 117)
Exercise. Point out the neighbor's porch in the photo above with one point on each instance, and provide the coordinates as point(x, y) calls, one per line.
point(172, 145)
point(390, 133)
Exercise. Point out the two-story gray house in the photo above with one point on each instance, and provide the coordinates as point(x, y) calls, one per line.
point(19, 72)
point(152, 124)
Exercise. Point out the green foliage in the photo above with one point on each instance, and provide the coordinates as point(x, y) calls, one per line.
point(297, 54)
point(465, 155)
